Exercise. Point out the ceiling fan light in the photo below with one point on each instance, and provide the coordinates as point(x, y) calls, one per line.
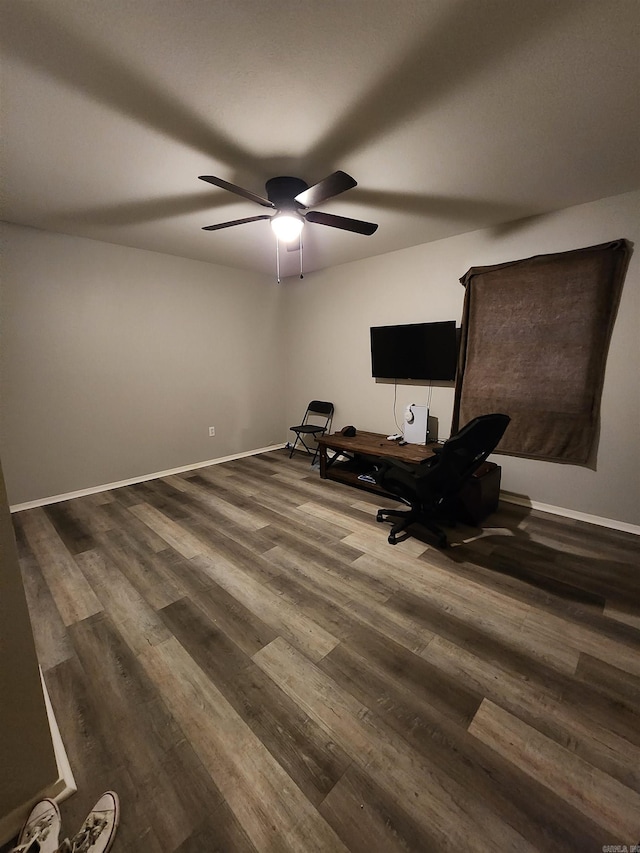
point(287, 226)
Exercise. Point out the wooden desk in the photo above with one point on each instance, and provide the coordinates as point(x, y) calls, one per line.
point(367, 446)
point(478, 498)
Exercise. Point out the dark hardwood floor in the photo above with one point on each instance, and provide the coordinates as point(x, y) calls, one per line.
point(239, 652)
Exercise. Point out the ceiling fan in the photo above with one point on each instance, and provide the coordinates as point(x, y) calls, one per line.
point(290, 197)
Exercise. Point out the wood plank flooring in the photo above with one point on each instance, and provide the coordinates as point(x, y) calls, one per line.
point(239, 652)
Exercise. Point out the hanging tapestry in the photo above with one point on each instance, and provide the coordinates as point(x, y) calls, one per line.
point(535, 335)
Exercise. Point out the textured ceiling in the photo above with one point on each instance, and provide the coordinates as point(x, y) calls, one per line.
point(452, 115)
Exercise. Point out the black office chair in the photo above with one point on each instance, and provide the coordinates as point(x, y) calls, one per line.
point(430, 488)
point(315, 422)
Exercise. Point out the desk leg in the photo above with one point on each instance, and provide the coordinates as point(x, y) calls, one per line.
point(323, 461)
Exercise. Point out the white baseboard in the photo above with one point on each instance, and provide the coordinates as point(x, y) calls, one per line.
point(612, 523)
point(63, 787)
point(509, 497)
point(94, 490)
point(66, 784)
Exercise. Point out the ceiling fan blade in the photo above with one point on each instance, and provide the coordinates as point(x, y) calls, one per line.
point(333, 185)
point(355, 225)
point(225, 185)
point(235, 222)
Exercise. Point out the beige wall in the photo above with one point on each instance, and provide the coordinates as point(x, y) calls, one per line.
point(115, 362)
point(329, 314)
point(27, 759)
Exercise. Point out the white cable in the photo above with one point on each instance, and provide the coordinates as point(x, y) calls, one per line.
point(395, 402)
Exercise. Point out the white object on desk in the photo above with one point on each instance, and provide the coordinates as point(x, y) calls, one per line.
point(415, 431)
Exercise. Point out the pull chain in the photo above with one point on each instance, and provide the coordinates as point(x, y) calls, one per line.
point(278, 259)
point(301, 276)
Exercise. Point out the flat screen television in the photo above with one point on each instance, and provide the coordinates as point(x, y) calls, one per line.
point(426, 351)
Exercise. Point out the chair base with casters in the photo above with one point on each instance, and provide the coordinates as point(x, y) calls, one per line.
point(407, 517)
point(431, 488)
point(315, 423)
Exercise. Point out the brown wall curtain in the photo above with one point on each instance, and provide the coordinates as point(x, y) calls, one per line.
point(535, 335)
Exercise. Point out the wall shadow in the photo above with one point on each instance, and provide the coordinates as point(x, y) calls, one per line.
point(468, 39)
point(135, 212)
point(441, 206)
point(34, 36)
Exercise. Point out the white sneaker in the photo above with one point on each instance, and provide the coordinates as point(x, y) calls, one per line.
point(41, 829)
point(98, 831)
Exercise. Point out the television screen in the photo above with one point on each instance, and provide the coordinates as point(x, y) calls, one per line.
point(425, 351)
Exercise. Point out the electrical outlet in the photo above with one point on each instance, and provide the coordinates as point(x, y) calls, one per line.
point(212, 431)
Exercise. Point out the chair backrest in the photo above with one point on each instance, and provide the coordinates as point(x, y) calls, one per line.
point(320, 409)
point(464, 453)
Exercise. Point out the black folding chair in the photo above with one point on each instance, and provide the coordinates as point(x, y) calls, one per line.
point(315, 422)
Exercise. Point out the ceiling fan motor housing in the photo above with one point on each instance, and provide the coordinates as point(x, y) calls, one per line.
point(282, 191)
